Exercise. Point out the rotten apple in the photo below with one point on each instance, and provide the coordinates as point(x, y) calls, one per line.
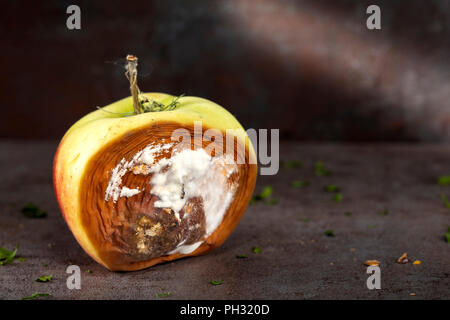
point(151, 178)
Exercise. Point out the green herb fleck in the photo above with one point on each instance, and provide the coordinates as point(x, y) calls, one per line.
point(44, 265)
point(320, 170)
point(332, 188)
point(384, 212)
point(304, 219)
point(265, 195)
point(45, 278)
point(271, 201)
point(445, 201)
point(291, 164)
point(256, 249)
point(88, 271)
point(444, 181)
point(371, 226)
point(447, 235)
point(163, 294)
point(7, 256)
point(348, 213)
point(21, 259)
point(216, 282)
point(329, 233)
point(338, 197)
point(241, 256)
point(299, 184)
point(32, 211)
point(36, 295)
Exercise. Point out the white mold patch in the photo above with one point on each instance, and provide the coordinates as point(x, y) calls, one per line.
point(186, 248)
point(190, 174)
point(127, 192)
point(175, 180)
point(145, 156)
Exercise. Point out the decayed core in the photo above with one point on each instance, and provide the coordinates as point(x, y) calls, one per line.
point(145, 196)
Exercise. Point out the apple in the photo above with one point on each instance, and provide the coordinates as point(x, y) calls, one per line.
point(135, 196)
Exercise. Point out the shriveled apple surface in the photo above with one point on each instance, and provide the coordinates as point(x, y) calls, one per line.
point(297, 260)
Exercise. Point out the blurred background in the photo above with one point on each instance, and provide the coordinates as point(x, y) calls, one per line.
point(310, 68)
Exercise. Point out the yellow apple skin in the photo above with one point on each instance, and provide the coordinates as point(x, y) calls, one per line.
point(101, 127)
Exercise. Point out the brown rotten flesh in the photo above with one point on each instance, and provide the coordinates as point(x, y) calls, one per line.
point(143, 198)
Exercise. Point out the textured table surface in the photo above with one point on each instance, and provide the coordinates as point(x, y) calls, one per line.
point(297, 260)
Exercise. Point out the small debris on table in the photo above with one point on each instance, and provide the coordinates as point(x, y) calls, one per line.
point(372, 263)
point(403, 259)
point(31, 210)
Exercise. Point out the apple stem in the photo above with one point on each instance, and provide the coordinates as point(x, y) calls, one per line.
point(131, 74)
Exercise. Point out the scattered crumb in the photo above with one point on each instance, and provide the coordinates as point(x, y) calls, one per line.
point(447, 235)
point(30, 210)
point(403, 259)
point(332, 188)
point(291, 164)
point(163, 294)
point(444, 181)
point(412, 294)
point(320, 170)
point(372, 263)
point(445, 201)
point(352, 249)
point(338, 197)
point(256, 249)
point(299, 184)
point(45, 278)
point(216, 282)
point(36, 295)
point(417, 262)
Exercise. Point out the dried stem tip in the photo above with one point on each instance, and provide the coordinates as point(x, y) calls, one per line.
point(130, 57)
point(131, 74)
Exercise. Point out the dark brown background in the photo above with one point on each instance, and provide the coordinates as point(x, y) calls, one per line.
point(310, 68)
